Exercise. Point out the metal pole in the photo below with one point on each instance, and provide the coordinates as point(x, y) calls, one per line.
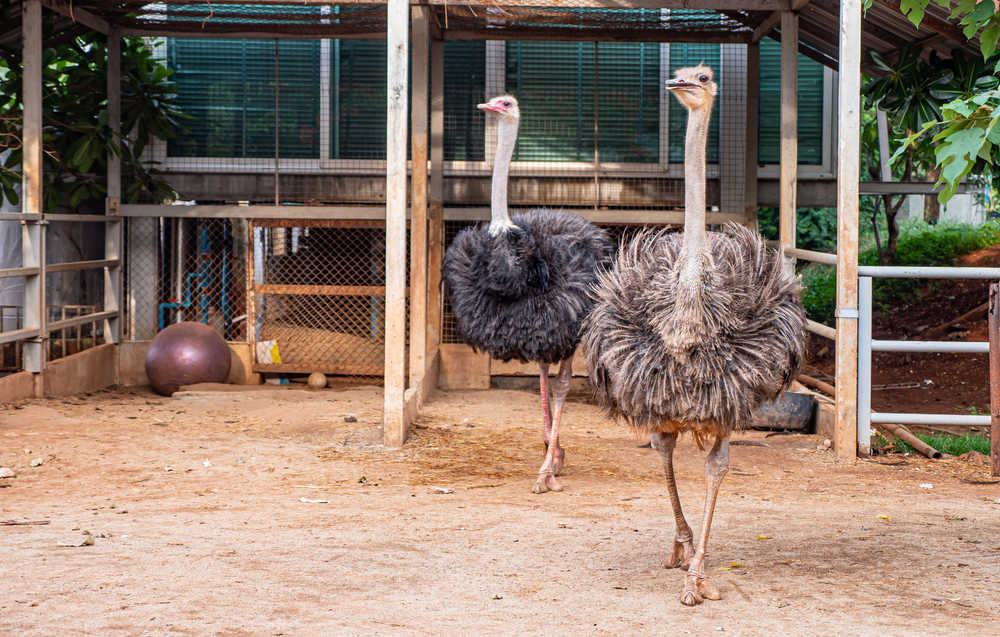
point(277, 121)
point(994, 329)
point(864, 365)
point(597, 153)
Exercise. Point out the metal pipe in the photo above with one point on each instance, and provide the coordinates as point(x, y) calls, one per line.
point(864, 365)
point(916, 272)
point(929, 419)
point(937, 347)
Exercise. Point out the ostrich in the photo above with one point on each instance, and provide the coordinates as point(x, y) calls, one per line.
point(691, 331)
point(520, 287)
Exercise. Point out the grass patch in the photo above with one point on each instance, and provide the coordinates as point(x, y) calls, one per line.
point(953, 445)
point(919, 244)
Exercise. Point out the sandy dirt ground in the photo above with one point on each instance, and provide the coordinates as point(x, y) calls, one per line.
point(264, 513)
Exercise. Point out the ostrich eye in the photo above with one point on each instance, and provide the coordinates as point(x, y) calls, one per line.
point(703, 79)
point(506, 103)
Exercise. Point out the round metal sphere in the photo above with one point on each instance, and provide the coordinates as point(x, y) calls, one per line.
point(185, 354)
point(317, 380)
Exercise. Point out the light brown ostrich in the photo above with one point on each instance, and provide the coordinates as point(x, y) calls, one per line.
point(692, 331)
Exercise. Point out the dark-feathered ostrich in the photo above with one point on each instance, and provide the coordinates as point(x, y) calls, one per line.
point(692, 331)
point(520, 286)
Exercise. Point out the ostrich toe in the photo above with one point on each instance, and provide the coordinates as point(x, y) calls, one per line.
point(680, 554)
point(698, 588)
point(546, 482)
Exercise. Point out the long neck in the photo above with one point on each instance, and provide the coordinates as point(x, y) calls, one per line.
point(694, 185)
point(499, 216)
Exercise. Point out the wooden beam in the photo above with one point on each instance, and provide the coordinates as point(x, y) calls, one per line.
point(715, 5)
point(789, 156)
point(420, 78)
point(603, 35)
point(113, 231)
point(935, 24)
point(393, 414)
point(222, 31)
point(76, 14)
point(994, 336)
point(435, 211)
point(32, 233)
point(848, 175)
point(752, 133)
point(769, 24)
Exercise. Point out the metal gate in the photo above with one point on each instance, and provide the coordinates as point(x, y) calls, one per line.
point(316, 296)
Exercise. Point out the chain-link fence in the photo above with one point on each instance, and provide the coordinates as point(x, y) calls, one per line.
point(186, 270)
point(319, 296)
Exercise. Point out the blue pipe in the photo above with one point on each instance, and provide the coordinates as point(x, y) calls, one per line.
point(187, 297)
point(203, 266)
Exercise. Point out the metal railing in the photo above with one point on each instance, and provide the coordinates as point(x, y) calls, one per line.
point(867, 345)
point(34, 327)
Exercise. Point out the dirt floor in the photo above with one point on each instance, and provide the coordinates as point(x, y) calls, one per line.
point(931, 383)
point(265, 512)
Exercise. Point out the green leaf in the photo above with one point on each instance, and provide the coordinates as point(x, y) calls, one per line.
point(988, 39)
point(914, 10)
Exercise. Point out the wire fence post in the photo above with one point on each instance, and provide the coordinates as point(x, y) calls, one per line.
point(994, 329)
point(864, 365)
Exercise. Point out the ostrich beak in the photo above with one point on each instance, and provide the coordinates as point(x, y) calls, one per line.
point(678, 84)
point(496, 108)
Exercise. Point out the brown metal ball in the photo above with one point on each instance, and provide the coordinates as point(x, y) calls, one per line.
point(185, 354)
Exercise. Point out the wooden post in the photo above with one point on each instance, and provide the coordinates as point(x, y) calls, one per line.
point(33, 232)
point(789, 132)
point(420, 72)
point(994, 328)
point(435, 243)
point(753, 128)
point(397, 41)
point(848, 175)
point(113, 230)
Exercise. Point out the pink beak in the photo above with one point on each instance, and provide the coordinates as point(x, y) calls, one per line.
point(496, 108)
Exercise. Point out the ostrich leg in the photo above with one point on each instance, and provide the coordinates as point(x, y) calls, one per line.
point(682, 550)
point(696, 584)
point(543, 382)
point(554, 455)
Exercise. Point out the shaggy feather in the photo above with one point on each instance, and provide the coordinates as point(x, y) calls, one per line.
point(524, 293)
point(666, 356)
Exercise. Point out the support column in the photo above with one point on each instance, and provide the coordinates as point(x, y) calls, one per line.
point(435, 231)
point(789, 133)
point(732, 112)
point(848, 176)
point(397, 42)
point(420, 76)
point(753, 130)
point(32, 232)
point(113, 229)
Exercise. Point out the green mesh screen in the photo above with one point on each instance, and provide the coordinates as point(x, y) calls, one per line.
point(464, 87)
point(810, 106)
point(358, 100)
point(226, 87)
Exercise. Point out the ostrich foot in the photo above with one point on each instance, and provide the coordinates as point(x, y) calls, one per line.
point(698, 588)
point(559, 461)
point(680, 554)
point(546, 482)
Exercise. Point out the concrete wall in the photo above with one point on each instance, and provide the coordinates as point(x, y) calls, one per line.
point(90, 370)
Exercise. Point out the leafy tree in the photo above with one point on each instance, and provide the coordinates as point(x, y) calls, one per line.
point(76, 135)
point(966, 135)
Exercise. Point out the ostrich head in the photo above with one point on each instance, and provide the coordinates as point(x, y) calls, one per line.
point(505, 106)
point(693, 87)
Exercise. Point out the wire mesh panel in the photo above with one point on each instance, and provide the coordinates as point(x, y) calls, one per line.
point(186, 270)
point(319, 296)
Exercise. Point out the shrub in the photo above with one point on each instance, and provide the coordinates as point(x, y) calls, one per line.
point(919, 244)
